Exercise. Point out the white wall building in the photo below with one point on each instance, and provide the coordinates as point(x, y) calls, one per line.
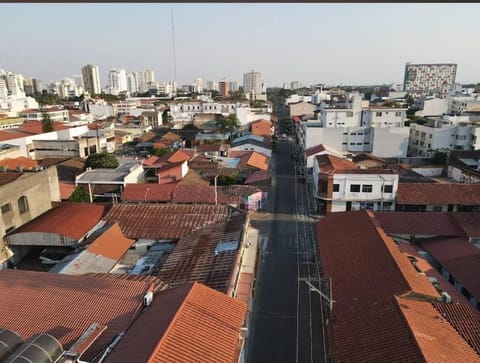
point(457, 105)
point(447, 133)
point(117, 81)
point(351, 188)
point(145, 78)
point(431, 107)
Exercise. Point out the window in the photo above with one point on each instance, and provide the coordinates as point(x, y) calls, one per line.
point(398, 114)
point(355, 188)
point(437, 208)
point(388, 188)
point(378, 114)
point(349, 113)
point(22, 204)
point(6, 208)
point(336, 187)
point(367, 188)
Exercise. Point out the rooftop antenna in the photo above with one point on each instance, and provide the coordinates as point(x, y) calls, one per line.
point(173, 46)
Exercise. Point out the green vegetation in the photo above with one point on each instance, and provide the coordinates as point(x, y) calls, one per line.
point(47, 123)
point(79, 195)
point(101, 160)
point(48, 99)
point(232, 179)
point(227, 124)
point(161, 151)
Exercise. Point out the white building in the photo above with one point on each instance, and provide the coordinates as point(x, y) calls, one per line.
point(253, 86)
point(56, 114)
point(212, 86)
point(446, 133)
point(339, 185)
point(15, 85)
point(145, 78)
point(117, 81)
point(198, 85)
point(132, 84)
point(431, 107)
point(457, 105)
point(356, 127)
point(91, 79)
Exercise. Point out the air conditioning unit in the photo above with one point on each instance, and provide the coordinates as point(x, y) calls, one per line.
point(446, 298)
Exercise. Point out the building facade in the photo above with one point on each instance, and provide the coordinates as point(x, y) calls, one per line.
point(91, 79)
point(117, 81)
point(429, 79)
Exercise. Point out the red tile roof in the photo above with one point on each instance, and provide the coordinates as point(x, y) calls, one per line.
point(35, 127)
point(329, 164)
point(11, 134)
point(191, 323)
point(180, 155)
point(21, 161)
point(460, 258)
point(438, 193)
point(168, 221)
point(418, 223)
point(150, 192)
point(258, 176)
point(66, 189)
point(469, 222)
point(7, 177)
point(71, 220)
point(464, 319)
point(436, 338)
point(209, 147)
point(201, 194)
point(65, 306)
point(315, 150)
point(262, 127)
point(368, 271)
point(258, 161)
point(111, 244)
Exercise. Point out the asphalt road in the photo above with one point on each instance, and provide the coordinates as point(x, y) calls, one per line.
point(286, 316)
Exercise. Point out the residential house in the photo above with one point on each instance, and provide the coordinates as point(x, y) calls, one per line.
point(340, 185)
point(438, 197)
point(249, 143)
point(168, 168)
point(63, 313)
point(464, 166)
point(302, 108)
point(65, 226)
point(446, 133)
point(24, 196)
point(369, 276)
point(262, 127)
point(108, 184)
point(56, 114)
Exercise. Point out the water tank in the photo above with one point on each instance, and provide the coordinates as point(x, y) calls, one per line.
point(40, 348)
point(9, 341)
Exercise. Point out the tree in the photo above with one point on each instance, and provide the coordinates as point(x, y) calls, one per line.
point(101, 160)
point(161, 151)
point(227, 124)
point(47, 123)
point(79, 195)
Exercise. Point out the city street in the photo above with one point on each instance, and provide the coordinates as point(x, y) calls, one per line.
point(286, 319)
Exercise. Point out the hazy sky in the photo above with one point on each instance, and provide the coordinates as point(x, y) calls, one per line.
point(309, 43)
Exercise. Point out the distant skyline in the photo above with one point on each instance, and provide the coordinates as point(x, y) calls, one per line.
point(357, 44)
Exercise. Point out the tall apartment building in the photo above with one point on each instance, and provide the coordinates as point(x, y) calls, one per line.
point(91, 79)
point(145, 79)
point(15, 84)
point(132, 82)
point(223, 88)
point(253, 83)
point(117, 81)
point(233, 86)
point(429, 79)
point(198, 85)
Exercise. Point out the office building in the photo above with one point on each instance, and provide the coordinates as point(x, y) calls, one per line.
point(429, 79)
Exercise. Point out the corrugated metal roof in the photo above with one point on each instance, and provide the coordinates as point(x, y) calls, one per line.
point(195, 257)
point(65, 306)
point(191, 323)
point(167, 221)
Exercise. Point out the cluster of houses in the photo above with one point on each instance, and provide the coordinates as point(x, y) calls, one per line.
point(162, 256)
point(162, 241)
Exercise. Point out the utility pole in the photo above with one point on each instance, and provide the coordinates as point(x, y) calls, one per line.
point(215, 187)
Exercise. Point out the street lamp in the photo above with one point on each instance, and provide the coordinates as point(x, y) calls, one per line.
point(381, 195)
point(215, 188)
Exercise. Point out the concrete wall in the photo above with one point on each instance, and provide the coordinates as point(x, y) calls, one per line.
point(390, 142)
